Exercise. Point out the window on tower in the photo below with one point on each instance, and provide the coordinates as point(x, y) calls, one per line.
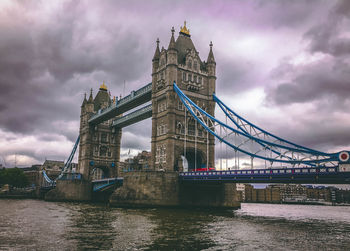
point(195, 65)
point(199, 80)
point(190, 77)
point(184, 76)
point(190, 64)
point(195, 78)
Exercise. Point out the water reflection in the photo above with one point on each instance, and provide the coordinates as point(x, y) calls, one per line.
point(40, 225)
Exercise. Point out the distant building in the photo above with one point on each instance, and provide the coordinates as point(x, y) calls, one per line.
point(142, 161)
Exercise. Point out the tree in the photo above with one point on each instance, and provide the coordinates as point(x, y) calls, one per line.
point(14, 177)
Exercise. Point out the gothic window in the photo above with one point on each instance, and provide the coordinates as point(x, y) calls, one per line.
point(195, 78)
point(195, 65)
point(162, 75)
point(180, 105)
point(95, 137)
point(199, 80)
point(191, 130)
point(184, 76)
point(190, 64)
point(109, 153)
point(95, 150)
point(103, 138)
point(103, 151)
point(162, 61)
point(161, 130)
point(190, 77)
point(200, 133)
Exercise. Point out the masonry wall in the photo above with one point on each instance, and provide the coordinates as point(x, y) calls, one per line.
point(70, 190)
point(154, 188)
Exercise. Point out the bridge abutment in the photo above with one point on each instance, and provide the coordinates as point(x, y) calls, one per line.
point(163, 189)
point(70, 190)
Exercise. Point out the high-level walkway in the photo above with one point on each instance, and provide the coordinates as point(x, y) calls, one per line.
point(134, 99)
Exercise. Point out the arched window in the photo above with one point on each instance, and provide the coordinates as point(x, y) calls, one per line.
point(103, 151)
point(190, 64)
point(184, 76)
point(190, 77)
point(195, 65)
point(195, 78)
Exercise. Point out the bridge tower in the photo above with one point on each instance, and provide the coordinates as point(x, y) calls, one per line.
point(99, 147)
point(171, 136)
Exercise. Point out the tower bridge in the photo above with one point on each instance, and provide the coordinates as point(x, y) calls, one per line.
point(184, 131)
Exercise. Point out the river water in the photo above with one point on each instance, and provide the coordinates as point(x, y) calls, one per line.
point(40, 225)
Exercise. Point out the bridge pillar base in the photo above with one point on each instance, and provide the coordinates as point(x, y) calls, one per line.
point(163, 189)
point(70, 190)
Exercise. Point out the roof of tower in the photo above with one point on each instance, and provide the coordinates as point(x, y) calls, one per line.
point(182, 44)
point(101, 97)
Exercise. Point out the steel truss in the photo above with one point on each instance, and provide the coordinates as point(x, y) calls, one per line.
point(247, 139)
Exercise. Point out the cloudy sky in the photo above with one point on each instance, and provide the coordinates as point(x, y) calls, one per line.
point(284, 65)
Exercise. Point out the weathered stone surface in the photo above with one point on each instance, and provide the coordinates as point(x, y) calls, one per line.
point(163, 189)
point(70, 190)
point(147, 189)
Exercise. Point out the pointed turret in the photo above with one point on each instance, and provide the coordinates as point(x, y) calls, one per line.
point(211, 58)
point(91, 99)
point(172, 40)
point(85, 100)
point(157, 52)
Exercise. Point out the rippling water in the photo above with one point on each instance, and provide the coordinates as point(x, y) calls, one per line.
point(40, 225)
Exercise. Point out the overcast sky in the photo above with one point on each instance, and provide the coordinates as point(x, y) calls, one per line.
point(283, 65)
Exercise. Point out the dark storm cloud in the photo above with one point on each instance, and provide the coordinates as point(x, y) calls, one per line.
point(38, 61)
point(328, 80)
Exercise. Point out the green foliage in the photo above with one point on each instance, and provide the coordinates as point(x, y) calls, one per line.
point(14, 177)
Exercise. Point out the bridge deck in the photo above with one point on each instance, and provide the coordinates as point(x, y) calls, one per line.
point(328, 175)
point(134, 99)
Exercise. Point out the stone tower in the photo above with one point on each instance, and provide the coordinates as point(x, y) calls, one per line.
point(99, 147)
point(197, 79)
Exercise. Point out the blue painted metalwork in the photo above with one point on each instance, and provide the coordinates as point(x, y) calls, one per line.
point(104, 184)
point(319, 157)
point(64, 175)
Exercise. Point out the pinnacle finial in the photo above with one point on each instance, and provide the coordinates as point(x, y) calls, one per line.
point(91, 91)
point(211, 44)
point(184, 30)
point(103, 86)
point(172, 30)
point(157, 41)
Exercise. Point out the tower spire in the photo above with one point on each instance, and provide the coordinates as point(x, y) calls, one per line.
point(211, 58)
point(172, 40)
point(157, 52)
point(91, 99)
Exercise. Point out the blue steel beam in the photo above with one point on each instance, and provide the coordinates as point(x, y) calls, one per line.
point(306, 175)
point(134, 99)
point(133, 117)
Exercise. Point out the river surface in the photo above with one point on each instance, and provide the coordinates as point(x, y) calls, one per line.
point(40, 225)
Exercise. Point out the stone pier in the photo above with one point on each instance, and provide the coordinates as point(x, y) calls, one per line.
point(70, 190)
point(163, 189)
